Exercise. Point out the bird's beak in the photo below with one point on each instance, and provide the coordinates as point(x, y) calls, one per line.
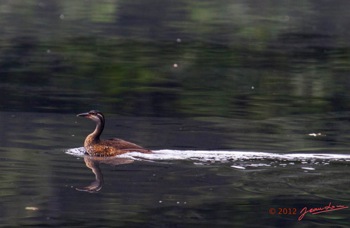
point(85, 114)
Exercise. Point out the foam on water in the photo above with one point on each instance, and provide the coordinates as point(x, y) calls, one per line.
point(226, 156)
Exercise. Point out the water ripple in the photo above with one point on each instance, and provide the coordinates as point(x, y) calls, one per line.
point(226, 156)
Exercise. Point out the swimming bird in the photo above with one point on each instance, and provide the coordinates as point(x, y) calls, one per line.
point(94, 146)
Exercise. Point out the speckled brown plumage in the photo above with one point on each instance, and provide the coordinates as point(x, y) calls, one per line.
point(94, 146)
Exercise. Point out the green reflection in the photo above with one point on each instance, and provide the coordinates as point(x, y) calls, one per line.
point(196, 58)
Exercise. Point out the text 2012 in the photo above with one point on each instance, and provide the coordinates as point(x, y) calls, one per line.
point(287, 211)
point(283, 211)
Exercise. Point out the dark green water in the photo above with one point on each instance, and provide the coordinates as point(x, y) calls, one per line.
point(186, 76)
point(247, 59)
point(205, 181)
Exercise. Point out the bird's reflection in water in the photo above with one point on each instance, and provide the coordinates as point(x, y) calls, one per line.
point(94, 164)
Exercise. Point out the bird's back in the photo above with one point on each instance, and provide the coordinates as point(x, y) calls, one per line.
point(115, 146)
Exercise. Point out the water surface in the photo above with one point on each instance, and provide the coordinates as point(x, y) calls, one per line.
point(246, 104)
point(43, 166)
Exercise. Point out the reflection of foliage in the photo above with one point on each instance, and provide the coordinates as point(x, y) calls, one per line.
point(192, 57)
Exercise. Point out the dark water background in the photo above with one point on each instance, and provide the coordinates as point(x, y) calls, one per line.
point(266, 76)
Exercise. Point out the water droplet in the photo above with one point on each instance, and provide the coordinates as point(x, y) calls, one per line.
point(237, 167)
point(307, 168)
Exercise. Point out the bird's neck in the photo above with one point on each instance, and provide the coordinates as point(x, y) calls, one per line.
point(95, 135)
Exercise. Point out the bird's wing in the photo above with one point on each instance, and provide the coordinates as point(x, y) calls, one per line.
point(122, 144)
